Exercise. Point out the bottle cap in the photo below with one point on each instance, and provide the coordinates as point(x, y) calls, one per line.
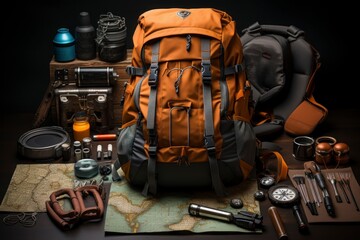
point(84, 19)
point(341, 148)
point(80, 116)
point(323, 148)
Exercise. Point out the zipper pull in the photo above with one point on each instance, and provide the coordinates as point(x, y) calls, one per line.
point(122, 99)
point(188, 43)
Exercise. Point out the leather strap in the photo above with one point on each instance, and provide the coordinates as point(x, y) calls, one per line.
point(70, 215)
point(63, 224)
point(95, 212)
point(66, 220)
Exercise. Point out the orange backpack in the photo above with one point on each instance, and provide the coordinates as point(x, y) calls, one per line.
point(186, 113)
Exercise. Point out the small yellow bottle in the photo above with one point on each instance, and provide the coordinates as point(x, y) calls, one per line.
point(81, 126)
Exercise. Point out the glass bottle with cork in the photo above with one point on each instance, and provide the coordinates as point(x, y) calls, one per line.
point(81, 126)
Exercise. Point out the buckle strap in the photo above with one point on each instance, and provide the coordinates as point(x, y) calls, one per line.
point(205, 62)
point(210, 144)
point(206, 71)
point(154, 66)
point(134, 71)
point(238, 68)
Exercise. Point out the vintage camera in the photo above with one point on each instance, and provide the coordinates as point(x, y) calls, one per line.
point(96, 102)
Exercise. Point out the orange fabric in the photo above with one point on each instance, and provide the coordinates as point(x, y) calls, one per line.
point(304, 119)
point(126, 169)
point(246, 169)
point(275, 165)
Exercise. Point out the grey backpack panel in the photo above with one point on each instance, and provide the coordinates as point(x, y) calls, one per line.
point(279, 64)
point(266, 66)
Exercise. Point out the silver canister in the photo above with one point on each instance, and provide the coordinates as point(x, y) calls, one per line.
point(86, 142)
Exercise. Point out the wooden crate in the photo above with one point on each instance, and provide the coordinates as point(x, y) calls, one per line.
point(118, 86)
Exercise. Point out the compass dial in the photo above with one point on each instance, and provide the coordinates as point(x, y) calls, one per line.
point(283, 195)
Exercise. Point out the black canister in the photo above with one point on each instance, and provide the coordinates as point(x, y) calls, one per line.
point(85, 45)
point(111, 38)
point(303, 148)
point(66, 151)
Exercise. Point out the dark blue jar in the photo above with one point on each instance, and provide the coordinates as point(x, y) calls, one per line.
point(64, 46)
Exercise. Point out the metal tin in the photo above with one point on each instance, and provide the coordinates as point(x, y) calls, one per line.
point(303, 148)
point(77, 145)
point(87, 142)
point(86, 153)
point(327, 139)
point(42, 143)
point(78, 154)
point(64, 46)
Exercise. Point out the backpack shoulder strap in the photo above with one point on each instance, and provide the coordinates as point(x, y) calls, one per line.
point(151, 185)
point(291, 32)
point(208, 116)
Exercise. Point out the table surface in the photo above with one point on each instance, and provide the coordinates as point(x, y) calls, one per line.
point(343, 124)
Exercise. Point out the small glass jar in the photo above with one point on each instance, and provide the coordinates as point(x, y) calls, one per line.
point(341, 153)
point(323, 153)
point(81, 126)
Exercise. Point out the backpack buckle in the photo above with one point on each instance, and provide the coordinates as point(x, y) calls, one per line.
point(153, 75)
point(294, 32)
point(277, 121)
point(210, 144)
point(130, 70)
point(206, 72)
point(253, 29)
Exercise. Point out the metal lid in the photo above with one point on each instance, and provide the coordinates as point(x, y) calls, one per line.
point(323, 148)
point(341, 148)
point(86, 168)
point(63, 36)
point(43, 143)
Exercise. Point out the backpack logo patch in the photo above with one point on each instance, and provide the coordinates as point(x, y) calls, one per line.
point(183, 13)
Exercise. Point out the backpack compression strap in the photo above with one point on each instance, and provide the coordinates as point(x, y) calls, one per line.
point(208, 115)
point(151, 185)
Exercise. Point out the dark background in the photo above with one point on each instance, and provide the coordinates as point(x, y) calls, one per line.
point(27, 44)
